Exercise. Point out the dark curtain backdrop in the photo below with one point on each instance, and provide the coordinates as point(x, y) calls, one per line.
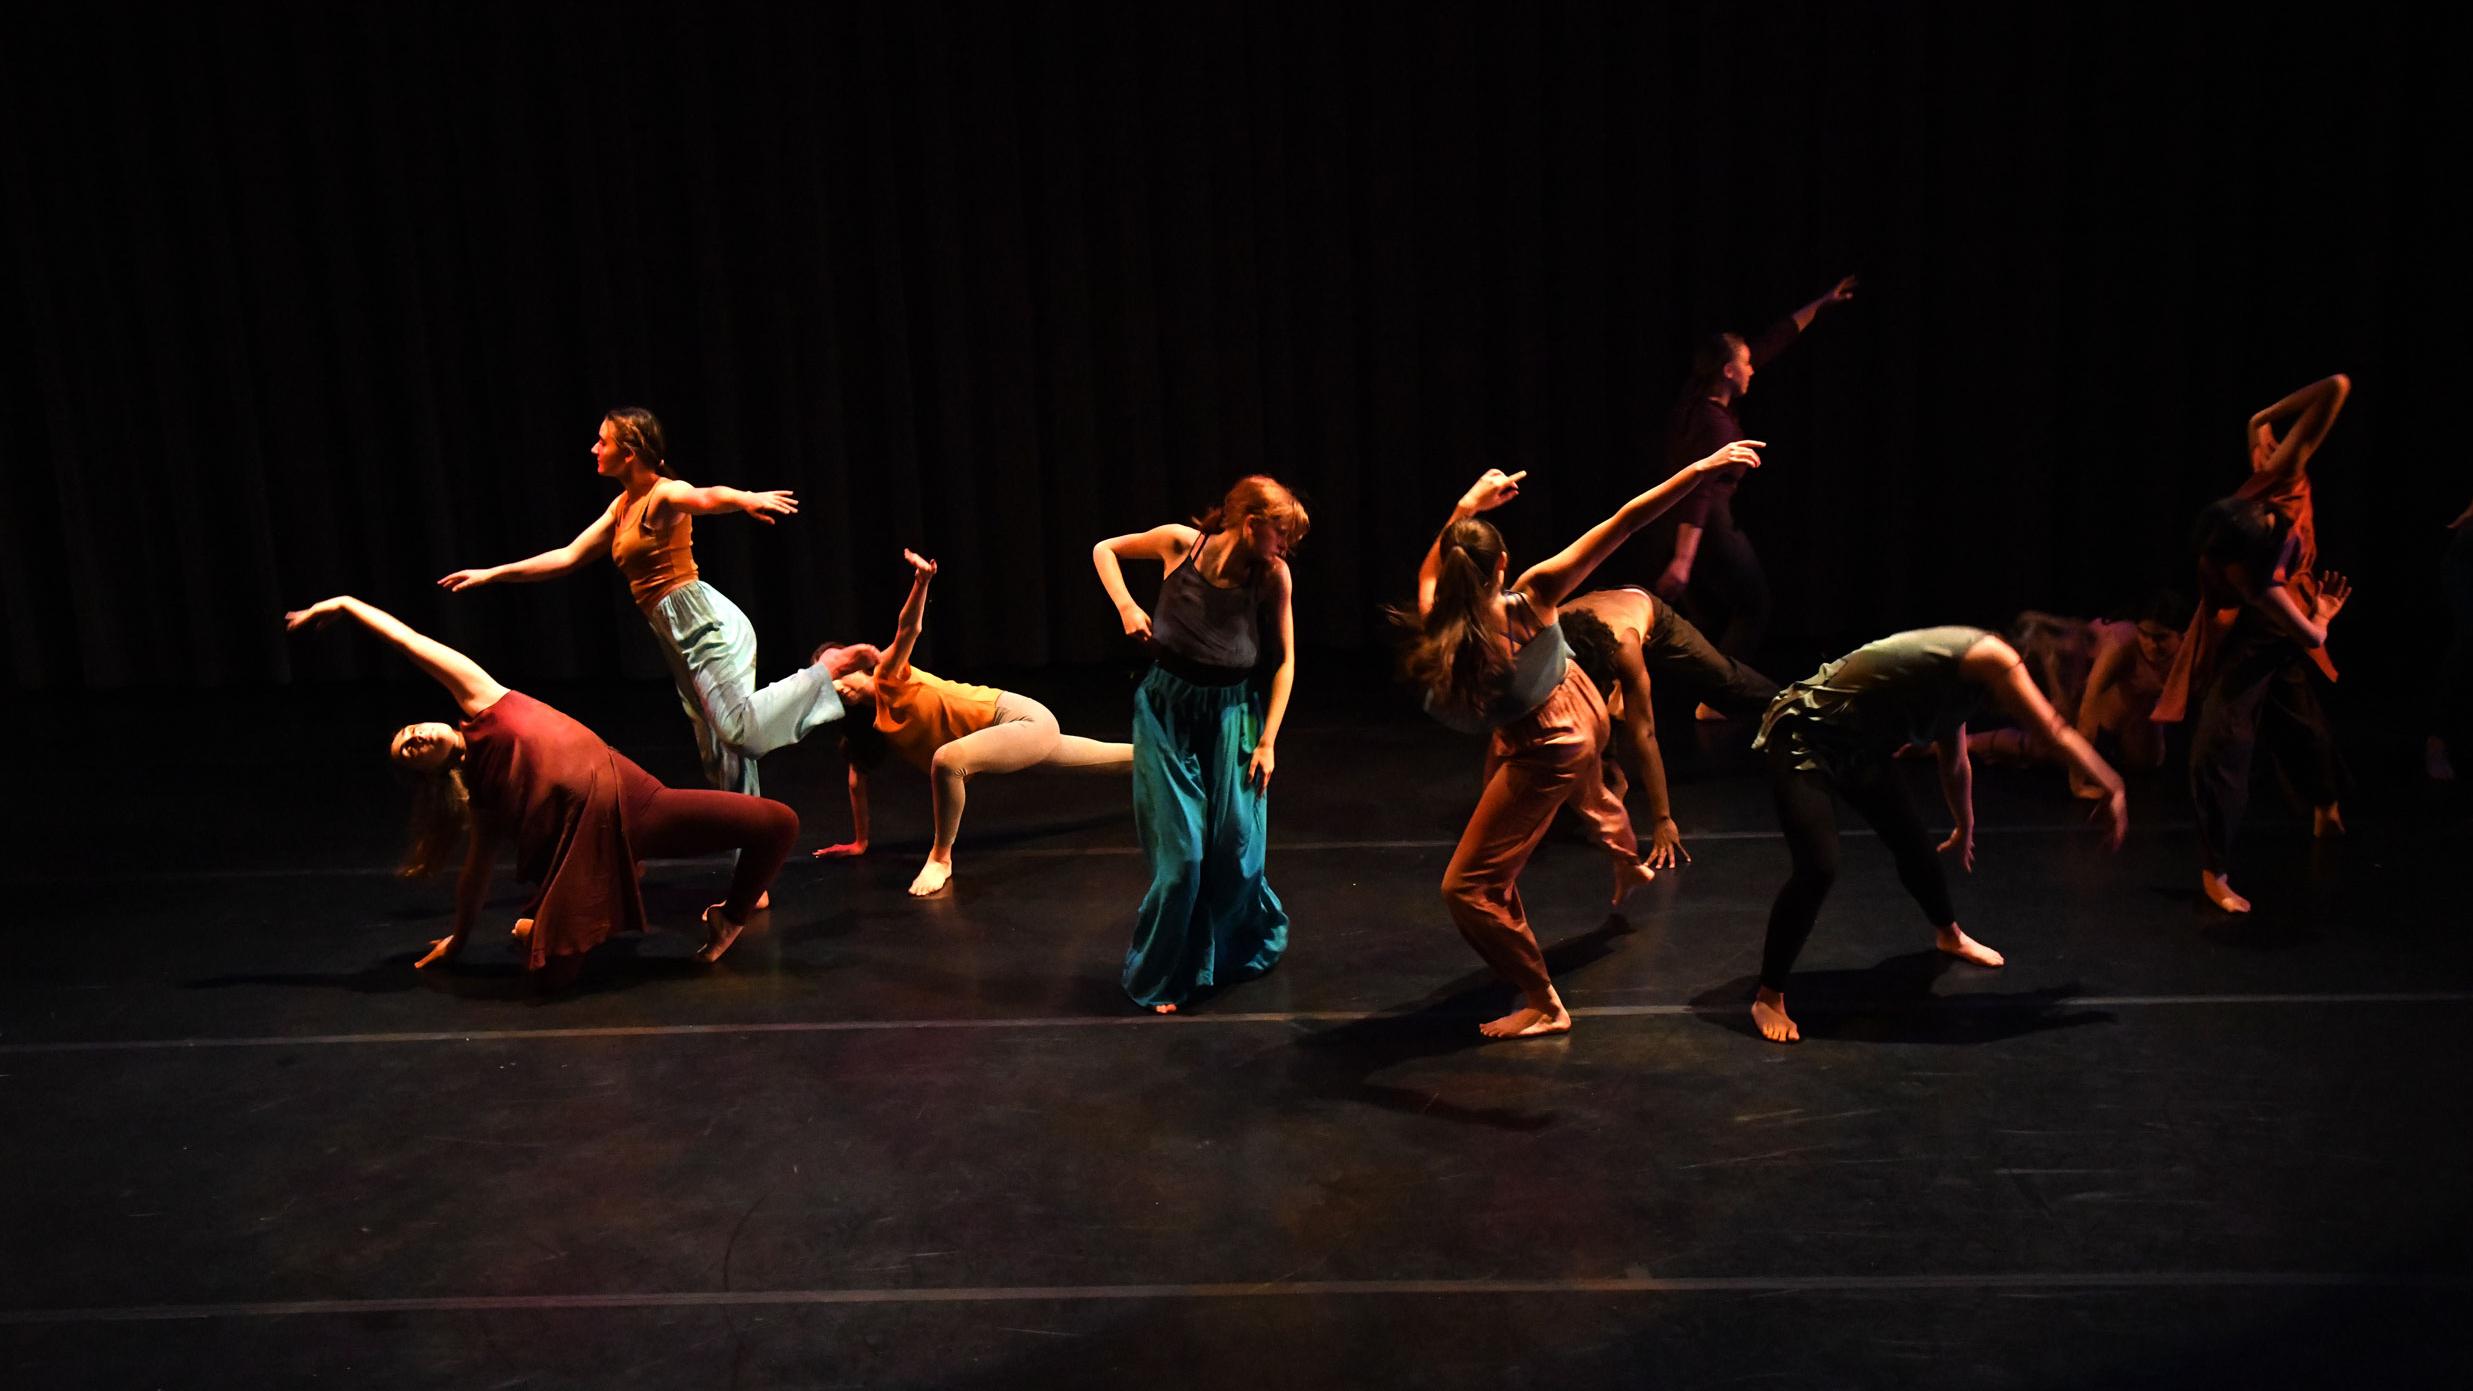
point(331, 298)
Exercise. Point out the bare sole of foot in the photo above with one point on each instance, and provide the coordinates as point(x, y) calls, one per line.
point(1163, 1009)
point(1955, 942)
point(933, 878)
point(719, 933)
point(1708, 714)
point(1528, 1022)
point(2327, 822)
point(2219, 891)
point(1630, 875)
point(764, 900)
point(522, 929)
point(1772, 1022)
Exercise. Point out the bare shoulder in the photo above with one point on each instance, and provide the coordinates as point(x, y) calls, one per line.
point(1989, 657)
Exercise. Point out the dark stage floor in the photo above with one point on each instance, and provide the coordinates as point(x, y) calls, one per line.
point(901, 1143)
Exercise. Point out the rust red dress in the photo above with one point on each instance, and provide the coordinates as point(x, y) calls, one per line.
point(545, 780)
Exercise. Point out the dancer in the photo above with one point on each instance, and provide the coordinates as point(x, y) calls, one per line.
point(950, 731)
point(2451, 712)
point(1837, 729)
point(1491, 659)
point(1620, 637)
point(579, 812)
point(1203, 737)
point(2247, 653)
point(2103, 676)
point(1709, 562)
point(648, 531)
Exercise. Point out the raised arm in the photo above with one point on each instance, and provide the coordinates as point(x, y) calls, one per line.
point(1283, 679)
point(1836, 294)
point(1996, 666)
point(671, 494)
point(1492, 489)
point(472, 687)
point(1166, 544)
point(592, 541)
point(913, 619)
point(1549, 581)
point(2311, 412)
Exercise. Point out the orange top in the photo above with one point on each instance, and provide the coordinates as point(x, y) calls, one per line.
point(655, 560)
point(920, 712)
point(2290, 497)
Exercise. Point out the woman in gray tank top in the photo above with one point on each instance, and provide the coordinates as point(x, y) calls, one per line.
point(1490, 659)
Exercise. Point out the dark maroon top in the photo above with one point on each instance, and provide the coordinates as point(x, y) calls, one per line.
point(1700, 427)
point(552, 785)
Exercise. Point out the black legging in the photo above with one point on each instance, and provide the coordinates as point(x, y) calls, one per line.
point(1871, 786)
point(1676, 651)
point(1727, 570)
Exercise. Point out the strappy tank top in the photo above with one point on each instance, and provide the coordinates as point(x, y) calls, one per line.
point(921, 712)
point(1204, 623)
point(1536, 669)
point(655, 560)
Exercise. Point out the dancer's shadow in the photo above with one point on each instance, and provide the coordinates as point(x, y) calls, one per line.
point(1340, 1063)
point(1894, 1002)
point(493, 974)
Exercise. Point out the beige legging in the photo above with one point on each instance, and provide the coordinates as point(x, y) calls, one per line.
point(1024, 736)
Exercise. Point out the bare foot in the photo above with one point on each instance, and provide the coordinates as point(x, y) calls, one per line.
point(1531, 1020)
point(764, 900)
point(2327, 822)
point(2220, 892)
point(1629, 875)
point(1953, 940)
point(1769, 1015)
point(1163, 1009)
point(1708, 714)
point(719, 933)
point(2434, 763)
point(522, 931)
point(933, 876)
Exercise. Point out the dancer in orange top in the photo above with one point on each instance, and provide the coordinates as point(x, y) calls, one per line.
point(949, 730)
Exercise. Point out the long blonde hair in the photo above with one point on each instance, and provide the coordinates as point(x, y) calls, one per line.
point(1455, 652)
point(441, 813)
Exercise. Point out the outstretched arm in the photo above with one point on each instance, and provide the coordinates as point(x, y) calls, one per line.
point(472, 687)
point(591, 541)
point(1549, 581)
point(2312, 412)
point(1995, 665)
point(913, 618)
point(1836, 294)
point(676, 495)
point(1283, 680)
point(1166, 544)
point(1492, 489)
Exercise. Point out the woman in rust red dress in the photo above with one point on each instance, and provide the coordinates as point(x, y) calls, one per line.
point(579, 813)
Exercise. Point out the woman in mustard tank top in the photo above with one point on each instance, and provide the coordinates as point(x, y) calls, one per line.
point(648, 532)
point(949, 730)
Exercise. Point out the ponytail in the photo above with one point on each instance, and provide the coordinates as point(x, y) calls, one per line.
point(1454, 655)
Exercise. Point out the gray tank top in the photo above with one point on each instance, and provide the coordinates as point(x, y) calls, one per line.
point(1201, 622)
point(1536, 669)
point(1904, 689)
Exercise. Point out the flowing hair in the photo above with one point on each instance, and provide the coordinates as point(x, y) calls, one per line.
point(1258, 495)
point(639, 433)
point(441, 813)
point(1454, 654)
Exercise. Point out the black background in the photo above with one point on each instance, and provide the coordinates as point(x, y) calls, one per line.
point(332, 298)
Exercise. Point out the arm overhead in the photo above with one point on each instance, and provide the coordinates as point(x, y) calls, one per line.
point(592, 541)
point(1492, 489)
point(1550, 581)
point(913, 619)
point(2311, 412)
point(463, 678)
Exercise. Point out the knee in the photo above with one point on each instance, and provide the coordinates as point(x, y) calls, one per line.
point(1462, 887)
point(946, 766)
point(780, 822)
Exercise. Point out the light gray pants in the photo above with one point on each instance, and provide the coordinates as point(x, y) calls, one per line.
point(1025, 735)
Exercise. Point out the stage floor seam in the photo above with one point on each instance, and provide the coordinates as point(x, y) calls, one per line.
point(1316, 1289)
point(1953, 1003)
